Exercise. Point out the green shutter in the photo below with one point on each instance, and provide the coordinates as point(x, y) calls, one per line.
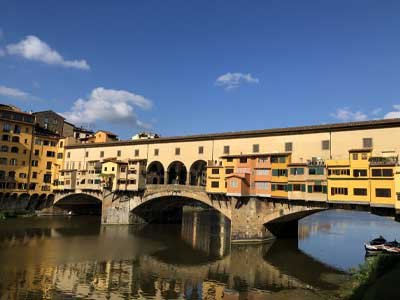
point(273, 187)
point(286, 187)
point(309, 188)
point(290, 187)
point(320, 171)
point(274, 172)
point(291, 171)
point(303, 187)
point(300, 171)
point(324, 189)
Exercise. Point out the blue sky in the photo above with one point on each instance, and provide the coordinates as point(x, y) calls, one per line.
point(186, 67)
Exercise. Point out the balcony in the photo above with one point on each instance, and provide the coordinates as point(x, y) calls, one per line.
point(384, 161)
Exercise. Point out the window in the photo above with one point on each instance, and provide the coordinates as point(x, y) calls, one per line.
point(17, 129)
point(288, 147)
point(14, 149)
point(281, 159)
point(59, 155)
point(38, 142)
point(226, 149)
point(296, 171)
point(355, 156)
point(118, 153)
point(256, 148)
point(123, 169)
point(52, 143)
point(359, 173)
point(50, 154)
point(279, 172)
point(316, 171)
point(48, 165)
point(228, 171)
point(262, 172)
point(359, 192)
point(262, 160)
point(6, 127)
point(243, 160)
point(26, 141)
point(26, 129)
point(367, 143)
point(86, 153)
point(376, 172)
point(177, 151)
point(326, 145)
point(214, 184)
point(215, 171)
point(36, 152)
point(13, 162)
point(136, 152)
point(22, 175)
point(61, 144)
point(11, 174)
point(3, 161)
point(69, 154)
point(35, 163)
point(5, 138)
point(338, 191)
point(34, 175)
point(234, 183)
point(364, 156)
point(132, 181)
point(338, 172)
point(46, 143)
point(229, 159)
point(4, 148)
point(261, 185)
point(101, 153)
point(201, 150)
point(47, 178)
point(156, 152)
point(384, 193)
point(387, 172)
point(112, 169)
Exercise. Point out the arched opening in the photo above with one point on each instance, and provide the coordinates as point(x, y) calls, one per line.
point(198, 173)
point(155, 173)
point(23, 201)
point(33, 201)
point(50, 200)
point(41, 202)
point(177, 173)
point(80, 204)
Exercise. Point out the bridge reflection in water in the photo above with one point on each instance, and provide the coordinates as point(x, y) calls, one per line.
point(61, 258)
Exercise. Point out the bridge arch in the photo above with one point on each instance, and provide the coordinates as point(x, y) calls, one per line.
point(165, 197)
point(198, 173)
point(79, 203)
point(177, 173)
point(155, 173)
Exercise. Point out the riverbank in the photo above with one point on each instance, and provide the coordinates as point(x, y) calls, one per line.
point(376, 279)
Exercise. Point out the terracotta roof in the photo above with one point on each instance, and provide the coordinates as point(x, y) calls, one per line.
point(363, 125)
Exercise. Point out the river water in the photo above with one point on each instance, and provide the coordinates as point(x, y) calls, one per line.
point(77, 258)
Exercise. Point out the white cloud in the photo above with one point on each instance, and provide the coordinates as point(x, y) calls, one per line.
point(13, 93)
point(393, 114)
point(32, 48)
point(116, 106)
point(376, 111)
point(233, 80)
point(346, 115)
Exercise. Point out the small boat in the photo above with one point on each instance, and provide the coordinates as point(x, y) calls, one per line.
point(375, 245)
point(392, 247)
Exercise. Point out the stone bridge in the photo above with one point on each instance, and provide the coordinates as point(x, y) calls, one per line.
point(251, 219)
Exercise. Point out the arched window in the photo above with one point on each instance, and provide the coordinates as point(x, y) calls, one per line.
point(13, 162)
point(3, 160)
point(14, 149)
point(17, 129)
point(4, 148)
point(5, 137)
point(15, 139)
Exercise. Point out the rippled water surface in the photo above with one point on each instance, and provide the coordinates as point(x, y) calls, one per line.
point(77, 258)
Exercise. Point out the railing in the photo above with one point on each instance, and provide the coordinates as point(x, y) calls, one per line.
point(174, 187)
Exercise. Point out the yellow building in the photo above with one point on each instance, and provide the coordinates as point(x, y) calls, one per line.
point(44, 160)
point(217, 170)
point(279, 170)
point(383, 178)
point(16, 129)
point(348, 179)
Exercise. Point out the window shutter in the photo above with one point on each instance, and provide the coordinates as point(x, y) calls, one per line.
point(309, 188)
point(290, 187)
point(274, 172)
point(286, 188)
point(303, 187)
point(324, 189)
point(273, 187)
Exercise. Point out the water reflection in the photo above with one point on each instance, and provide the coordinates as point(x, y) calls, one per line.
point(64, 258)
